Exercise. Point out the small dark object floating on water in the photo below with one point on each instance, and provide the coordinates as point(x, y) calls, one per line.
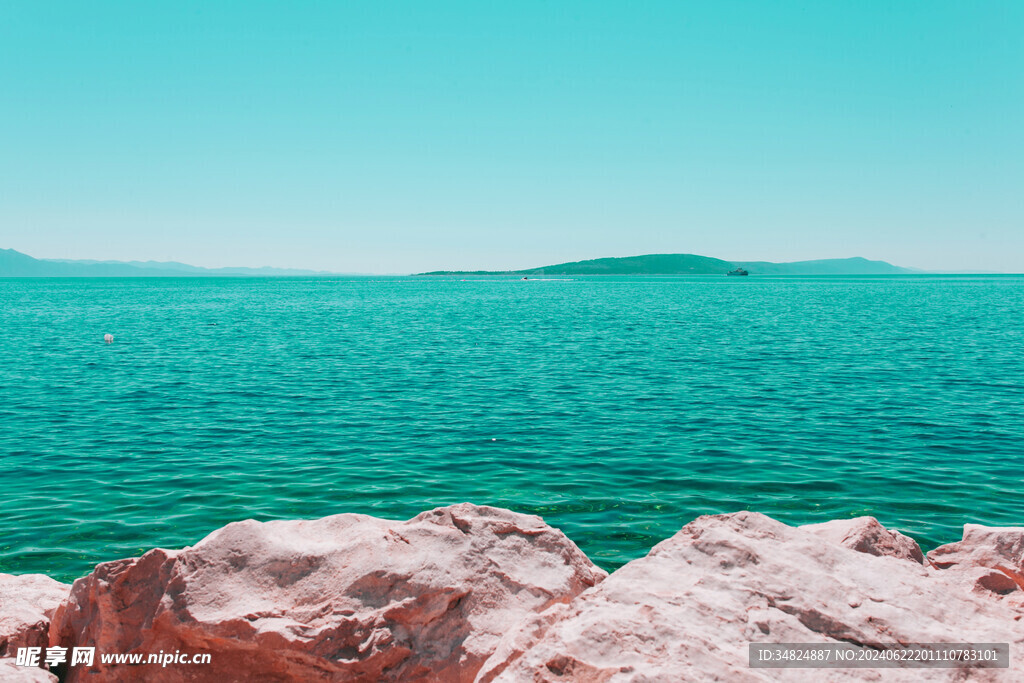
point(738, 271)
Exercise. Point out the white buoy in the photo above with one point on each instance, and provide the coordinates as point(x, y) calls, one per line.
point(109, 338)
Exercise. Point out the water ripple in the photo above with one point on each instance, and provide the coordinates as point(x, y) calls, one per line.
point(617, 408)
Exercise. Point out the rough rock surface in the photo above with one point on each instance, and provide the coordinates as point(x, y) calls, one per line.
point(347, 597)
point(988, 561)
point(867, 535)
point(27, 602)
point(12, 673)
point(687, 611)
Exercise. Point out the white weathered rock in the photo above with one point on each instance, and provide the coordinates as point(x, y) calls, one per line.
point(988, 561)
point(27, 602)
point(348, 597)
point(867, 535)
point(687, 611)
point(12, 673)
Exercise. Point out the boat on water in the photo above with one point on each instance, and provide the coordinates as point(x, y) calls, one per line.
point(738, 271)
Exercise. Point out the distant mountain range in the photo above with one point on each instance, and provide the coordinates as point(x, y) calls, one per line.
point(692, 264)
point(15, 264)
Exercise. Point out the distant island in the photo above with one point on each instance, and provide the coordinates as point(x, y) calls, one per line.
point(15, 264)
point(692, 264)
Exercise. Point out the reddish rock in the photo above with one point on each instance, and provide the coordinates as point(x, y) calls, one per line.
point(988, 561)
point(343, 598)
point(687, 611)
point(866, 535)
point(27, 602)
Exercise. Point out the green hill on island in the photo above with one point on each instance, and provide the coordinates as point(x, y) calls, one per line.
point(692, 264)
point(651, 264)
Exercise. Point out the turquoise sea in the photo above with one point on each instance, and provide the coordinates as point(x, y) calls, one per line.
point(617, 408)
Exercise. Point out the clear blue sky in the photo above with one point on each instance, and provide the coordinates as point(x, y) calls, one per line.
point(396, 137)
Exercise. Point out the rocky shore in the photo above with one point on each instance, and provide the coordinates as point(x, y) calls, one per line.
point(468, 593)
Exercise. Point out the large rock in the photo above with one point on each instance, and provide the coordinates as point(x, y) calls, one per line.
point(988, 561)
point(687, 611)
point(347, 597)
point(27, 602)
point(867, 535)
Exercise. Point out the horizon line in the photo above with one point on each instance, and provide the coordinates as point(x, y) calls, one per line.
point(310, 272)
